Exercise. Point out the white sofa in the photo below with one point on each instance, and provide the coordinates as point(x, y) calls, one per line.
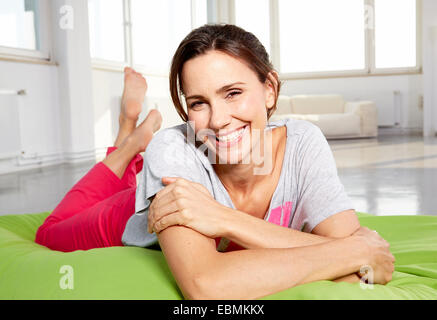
point(335, 117)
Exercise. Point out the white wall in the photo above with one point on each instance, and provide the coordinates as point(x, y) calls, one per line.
point(39, 126)
point(429, 56)
point(71, 51)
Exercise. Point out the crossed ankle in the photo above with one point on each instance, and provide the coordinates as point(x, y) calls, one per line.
point(127, 122)
point(131, 145)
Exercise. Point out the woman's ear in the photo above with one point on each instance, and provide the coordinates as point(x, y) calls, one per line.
point(271, 88)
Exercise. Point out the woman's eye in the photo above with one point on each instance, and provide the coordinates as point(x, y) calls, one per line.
point(234, 93)
point(195, 104)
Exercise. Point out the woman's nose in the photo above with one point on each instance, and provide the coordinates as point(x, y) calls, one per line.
point(220, 117)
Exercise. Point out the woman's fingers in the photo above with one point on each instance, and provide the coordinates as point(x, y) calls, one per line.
point(382, 260)
point(167, 221)
point(176, 181)
point(169, 193)
point(160, 211)
point(164, 196)
point(201, 188)
point(166, 201)
point(168, 180)
point(172, 199)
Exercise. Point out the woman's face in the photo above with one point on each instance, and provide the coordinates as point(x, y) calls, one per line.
point(227, 104)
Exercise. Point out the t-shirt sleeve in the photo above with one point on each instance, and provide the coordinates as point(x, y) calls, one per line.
point(320, 192)
point(167, 155)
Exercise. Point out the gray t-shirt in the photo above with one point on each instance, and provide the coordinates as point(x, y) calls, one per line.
point(308, 190)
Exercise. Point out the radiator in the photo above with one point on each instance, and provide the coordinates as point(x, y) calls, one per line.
point(389, 104)
point(10, 140)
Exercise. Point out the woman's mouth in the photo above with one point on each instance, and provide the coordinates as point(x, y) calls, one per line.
point(226, 141)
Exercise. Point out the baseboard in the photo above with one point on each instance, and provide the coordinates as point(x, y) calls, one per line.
point(20, 163)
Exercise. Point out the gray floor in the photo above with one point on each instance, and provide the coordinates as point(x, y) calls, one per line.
point(38, 190)
point(395, 173)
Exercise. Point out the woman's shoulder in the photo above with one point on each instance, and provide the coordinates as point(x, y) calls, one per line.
point(171, 135)
point(298, 129)
point(170, 147)
point(304, 141)
point(171, 138)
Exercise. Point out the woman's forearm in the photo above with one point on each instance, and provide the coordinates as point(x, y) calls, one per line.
point(254, 233)
point(251, 274)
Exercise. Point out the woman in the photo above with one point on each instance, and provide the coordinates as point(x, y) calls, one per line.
point(229, 180)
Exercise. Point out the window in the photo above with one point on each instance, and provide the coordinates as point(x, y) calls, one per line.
point(19, 22)
point(106, 26)
point(199, 13)
point(395, 33)
point(321, 35)
point(157, 29)
point(334, 37)
point(257, 22)
point(142, 33)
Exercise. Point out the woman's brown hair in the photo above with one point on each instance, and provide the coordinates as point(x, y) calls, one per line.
point(226, 38)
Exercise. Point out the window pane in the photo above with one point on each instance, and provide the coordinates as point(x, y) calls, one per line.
point(157, 29)
point(395, 33)
point(19, 24)
point(253, 16)
point(320, 35)
point(201, 13)
point(106, 29)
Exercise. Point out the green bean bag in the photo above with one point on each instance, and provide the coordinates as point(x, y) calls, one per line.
point(31, 271)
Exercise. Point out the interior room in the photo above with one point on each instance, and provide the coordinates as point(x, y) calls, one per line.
point(363, 71)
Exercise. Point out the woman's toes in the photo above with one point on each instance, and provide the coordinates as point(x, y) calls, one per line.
point(128, 70)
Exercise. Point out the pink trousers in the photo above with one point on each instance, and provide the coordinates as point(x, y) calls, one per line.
point(94, 213)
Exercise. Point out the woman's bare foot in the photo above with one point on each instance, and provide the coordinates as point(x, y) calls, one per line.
point(142, 135)
point(136, 142)
point(135, 87)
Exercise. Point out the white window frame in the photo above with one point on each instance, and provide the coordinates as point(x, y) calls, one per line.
point(407, 70)
point(128, 48)
point(41, 56)
point(368, 70)
point(109, 65)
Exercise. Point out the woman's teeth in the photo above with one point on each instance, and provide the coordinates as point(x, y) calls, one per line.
point(232, 136)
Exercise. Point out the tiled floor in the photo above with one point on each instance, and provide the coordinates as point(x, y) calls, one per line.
point(395, 173)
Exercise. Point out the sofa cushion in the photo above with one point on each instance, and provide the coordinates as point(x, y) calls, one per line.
point(283, 105)
point(317, 104)
point(335, 124)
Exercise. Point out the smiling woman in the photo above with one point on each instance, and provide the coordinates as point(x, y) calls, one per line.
point(226, 229)
point(241, 207)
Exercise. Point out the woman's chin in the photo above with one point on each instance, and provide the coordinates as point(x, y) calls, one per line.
point(233, 156)
point(238, 153)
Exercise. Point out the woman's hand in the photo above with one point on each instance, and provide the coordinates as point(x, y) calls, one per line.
point(189, 204)
point(381, 261)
